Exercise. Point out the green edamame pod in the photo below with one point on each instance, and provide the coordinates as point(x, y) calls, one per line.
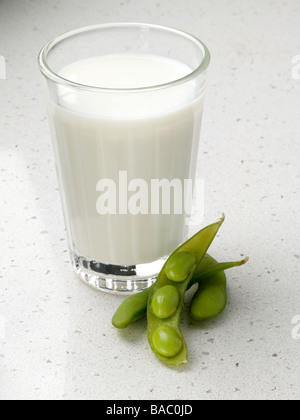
point(164, 335)
point(210, 299)
point(135, 307)
point(131, 309)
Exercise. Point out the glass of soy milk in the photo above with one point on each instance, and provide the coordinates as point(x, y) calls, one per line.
point(125, 105)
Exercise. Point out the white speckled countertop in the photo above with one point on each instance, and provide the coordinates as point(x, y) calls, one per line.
point(56, 337)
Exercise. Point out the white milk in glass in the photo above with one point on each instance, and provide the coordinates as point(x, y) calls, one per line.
point(146, 134)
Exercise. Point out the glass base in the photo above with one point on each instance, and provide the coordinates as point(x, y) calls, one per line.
point(115, 278)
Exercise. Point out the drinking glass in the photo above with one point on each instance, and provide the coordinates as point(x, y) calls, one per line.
point(125, 104)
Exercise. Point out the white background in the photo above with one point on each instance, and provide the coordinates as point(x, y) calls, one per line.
point(56, 337)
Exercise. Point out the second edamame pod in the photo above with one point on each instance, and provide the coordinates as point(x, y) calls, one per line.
point(164, 335)
point(210, 299)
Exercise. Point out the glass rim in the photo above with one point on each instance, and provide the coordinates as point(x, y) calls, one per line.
point(52, 75)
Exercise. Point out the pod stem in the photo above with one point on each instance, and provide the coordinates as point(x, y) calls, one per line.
point(214, 267)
